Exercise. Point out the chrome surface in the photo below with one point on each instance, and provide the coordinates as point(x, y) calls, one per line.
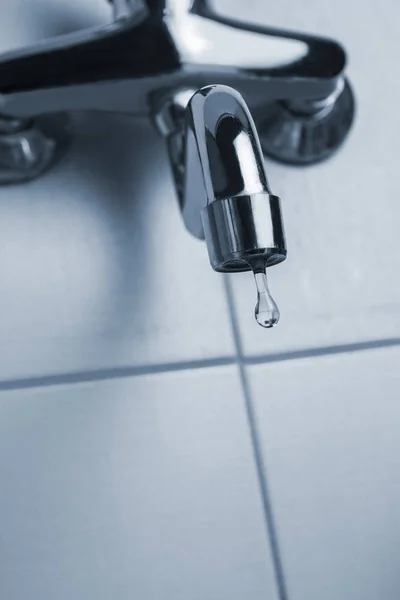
point(125, 9)
point(30, 147)
point(153, 47)
point(316, 108)
point(221, 182)
point(305, 132)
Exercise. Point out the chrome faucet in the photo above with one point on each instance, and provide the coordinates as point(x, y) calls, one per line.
point(171, 61)
point(222, 186)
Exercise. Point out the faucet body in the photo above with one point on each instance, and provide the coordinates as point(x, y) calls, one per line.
point(293, 83)
point(171, 61)
point(154, 46)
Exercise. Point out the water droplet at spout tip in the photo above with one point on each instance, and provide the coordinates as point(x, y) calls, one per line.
point(266, 311)
point(267, 319)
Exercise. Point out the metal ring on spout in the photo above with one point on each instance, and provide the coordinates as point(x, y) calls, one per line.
point(242, 229)
point(240, 217)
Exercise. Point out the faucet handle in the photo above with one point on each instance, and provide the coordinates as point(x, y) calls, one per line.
point(28, 147)
point(305, 132)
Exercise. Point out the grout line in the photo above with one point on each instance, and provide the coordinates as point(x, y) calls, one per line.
point(114, 373)
point(124, 372)
point(257, 451)
point(323, 351)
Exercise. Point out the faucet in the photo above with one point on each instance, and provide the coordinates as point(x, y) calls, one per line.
point(222, 186)
point(171, 61)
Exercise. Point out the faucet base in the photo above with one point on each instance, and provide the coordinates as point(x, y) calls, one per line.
point(307, 133)
point(28, 147)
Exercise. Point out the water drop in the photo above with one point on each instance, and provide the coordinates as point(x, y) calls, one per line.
point(266, 310)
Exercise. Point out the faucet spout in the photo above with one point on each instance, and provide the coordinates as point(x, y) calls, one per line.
point(227, 144)
point(222, 185)
point(225, 193)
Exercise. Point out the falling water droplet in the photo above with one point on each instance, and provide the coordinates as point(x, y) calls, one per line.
point(266, 310)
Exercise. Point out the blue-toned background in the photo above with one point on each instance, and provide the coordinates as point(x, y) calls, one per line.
point(155, 443)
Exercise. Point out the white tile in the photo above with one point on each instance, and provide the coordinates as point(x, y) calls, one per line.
point(329, 431)
point(340, 282)
point(137, 488)
point(96, 266)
